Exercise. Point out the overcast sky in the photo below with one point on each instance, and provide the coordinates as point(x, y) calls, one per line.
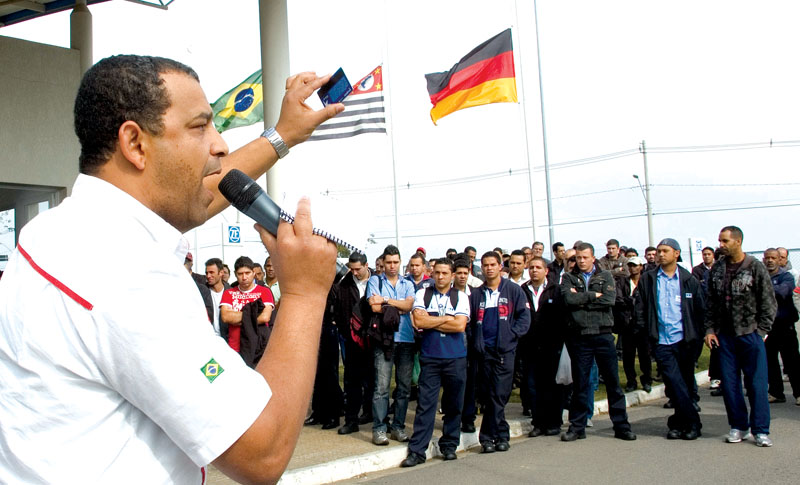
point(675, 74)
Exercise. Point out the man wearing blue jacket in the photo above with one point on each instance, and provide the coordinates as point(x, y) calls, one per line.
point(589, 293)
point(670, 311)
point(783, 336)
point(499, 316)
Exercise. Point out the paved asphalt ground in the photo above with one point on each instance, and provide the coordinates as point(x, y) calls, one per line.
point(601, 458)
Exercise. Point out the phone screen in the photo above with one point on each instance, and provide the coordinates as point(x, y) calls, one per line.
point(336, 89)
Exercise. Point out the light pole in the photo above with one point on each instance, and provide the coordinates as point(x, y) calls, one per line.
point(646, 195)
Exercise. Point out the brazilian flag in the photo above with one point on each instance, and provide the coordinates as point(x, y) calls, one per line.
point(241, 106)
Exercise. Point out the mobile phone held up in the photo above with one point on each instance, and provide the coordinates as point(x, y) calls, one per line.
point(336, 89)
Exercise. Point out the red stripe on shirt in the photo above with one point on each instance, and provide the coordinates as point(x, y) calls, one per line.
point(61, 286)
point(203, 473)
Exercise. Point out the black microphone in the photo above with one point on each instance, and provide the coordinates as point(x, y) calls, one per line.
point(247, 196)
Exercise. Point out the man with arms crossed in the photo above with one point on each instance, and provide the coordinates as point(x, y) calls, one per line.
point(589, 294)
point(739, 314)
point(443, 362)
point(136, 385)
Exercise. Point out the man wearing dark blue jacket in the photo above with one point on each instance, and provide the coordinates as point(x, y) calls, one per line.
point(499, 316)
point(589, 294)
point(783, 336)
point(669, 310)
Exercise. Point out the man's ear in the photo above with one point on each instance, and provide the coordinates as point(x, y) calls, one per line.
point(133, 143)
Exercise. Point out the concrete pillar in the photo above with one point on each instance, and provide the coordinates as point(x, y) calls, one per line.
point(273, 16)
point(80, 33)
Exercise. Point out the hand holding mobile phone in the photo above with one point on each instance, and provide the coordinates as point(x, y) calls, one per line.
point(336, 89)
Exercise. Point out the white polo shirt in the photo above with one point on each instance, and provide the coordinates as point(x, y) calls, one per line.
point(106, 379)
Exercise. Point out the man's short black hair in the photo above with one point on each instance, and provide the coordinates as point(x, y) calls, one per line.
point(257, 265)
point(358, 258)
point(470, 248)
point(215, 262)
point(492, 254)
point(612, 242)
point(557, 245)
point(517, 252)
point(391, 250)
point(538, 243)
point(707, 248)
point(584, 246)
point(498, 248)
point(735, 232)
point(461, 261)
point(119, 89)
point(649, 248)
point(446, 261)
point(243, 262)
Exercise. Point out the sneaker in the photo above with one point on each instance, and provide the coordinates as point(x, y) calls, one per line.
point(715, 383)
point(379, 438)
point(763, 440)
point(399, 435)
point(589, 423)
point(737, 435)
point(775, 400)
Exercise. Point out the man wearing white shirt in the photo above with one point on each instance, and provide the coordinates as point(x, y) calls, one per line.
point(516, 265)
point(120, 383)
point(217, 287)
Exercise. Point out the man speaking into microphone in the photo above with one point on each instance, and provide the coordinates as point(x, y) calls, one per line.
point(126, 382)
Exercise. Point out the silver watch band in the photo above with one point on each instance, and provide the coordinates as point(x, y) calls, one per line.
point(276, 141)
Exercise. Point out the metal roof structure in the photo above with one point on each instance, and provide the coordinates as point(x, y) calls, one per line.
point(15, 11)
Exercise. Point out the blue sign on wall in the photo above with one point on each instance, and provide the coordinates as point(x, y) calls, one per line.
point(234, 235)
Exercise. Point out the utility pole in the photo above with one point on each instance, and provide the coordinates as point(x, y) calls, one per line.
point(647, 202)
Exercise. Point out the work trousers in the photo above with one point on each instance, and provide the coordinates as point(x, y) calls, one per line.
point(676, 362)
point(471, 389)
point(783, 340)
point(633, 343)
point(449, 375)
point(497, 375)
point(547, 395)
point(359, 381)
point(583, 350)
point(326, 403)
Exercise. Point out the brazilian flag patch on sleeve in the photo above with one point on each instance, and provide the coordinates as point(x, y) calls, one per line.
point(212, 370)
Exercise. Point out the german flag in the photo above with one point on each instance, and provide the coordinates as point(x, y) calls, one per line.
point(485, 75)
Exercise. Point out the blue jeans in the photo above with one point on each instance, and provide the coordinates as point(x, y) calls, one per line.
point(403, 360)
point(745, 354)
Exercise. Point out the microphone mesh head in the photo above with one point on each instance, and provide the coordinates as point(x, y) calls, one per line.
point(239, 189)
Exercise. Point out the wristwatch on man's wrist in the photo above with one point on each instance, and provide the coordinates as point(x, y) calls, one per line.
point(276, 141)
point(386, 299)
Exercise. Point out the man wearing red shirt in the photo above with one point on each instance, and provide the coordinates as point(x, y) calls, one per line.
point(230, 308)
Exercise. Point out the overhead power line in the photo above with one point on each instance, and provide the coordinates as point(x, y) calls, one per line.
point(569, 164)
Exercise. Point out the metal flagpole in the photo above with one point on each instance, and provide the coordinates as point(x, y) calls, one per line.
point(550, 230)
point(518, 49)
point(390, 128)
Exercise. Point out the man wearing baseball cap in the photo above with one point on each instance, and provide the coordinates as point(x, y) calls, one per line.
point(671, 315)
